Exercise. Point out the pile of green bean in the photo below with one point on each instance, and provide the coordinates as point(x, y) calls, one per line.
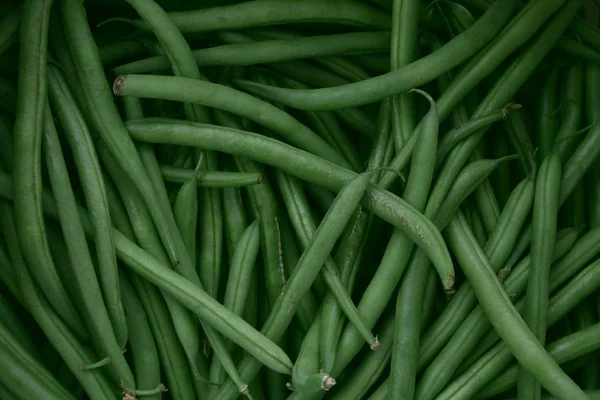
point(299, 199)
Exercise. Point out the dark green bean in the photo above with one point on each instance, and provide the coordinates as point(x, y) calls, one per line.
point(592, 74)
point(79, 138)
point(120, 51)
point(270, 51)
point(586, 32)
point(52, 325)
point(9, 28)
point(546, 121)
point(234, 215)
point(413, 75)
point(146, 364)
point(274, 12)
point(185, 210)
point(577, 49)
point(23, 374)
point(410, 296)
point(10, 320)
point(212, 179)
point(27, 137)
point(88, 287)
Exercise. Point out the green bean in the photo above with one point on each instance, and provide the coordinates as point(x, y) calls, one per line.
point(405, 19)
point(506, 321)
point(453, 137)
point(545, 215)
point(9, 28)
point(370, 368)
point(10, 320)
point(185, 211)
point(487, 209)
point(331, 130)
point(238, 282)
point(88, 167)
point(299, 212)
point(211, 239)
point(307, 378)
point(409, 300)
point(6, 153)
point(146, 364)
point(352, 245)
point(516, 125)
point(234, 215)
point(343, 67)
point(413, 75)
point(112, 53)
point(451, 321)
point(147, 238)
point(586, 32)
point(304, 225)
point(52, 325)
point(212, 179)
point(7, 274)
point(28, 132)
point(516, 282)
point(227, 99)
point(576, 290)
point(171, 354)
point(106, 121)
point(118, 213)
point(567, 128)
point(274, 12)
point(270, 51)
point(546, 122)
point(299, 164)
point(592, 73)
point(6, 393)
point(577, 49)
point(24, 374)
point(88, 287)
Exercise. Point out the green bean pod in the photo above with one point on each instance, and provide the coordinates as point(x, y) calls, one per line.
point(10, 29)
point(28, 131)
point(146, 364)
point(274, 12)
point(302, 165)
point(227, 99)
point(234, 216)
point(504, 317)
point(79, 138)
point(239, 280)
point(299, 211)
point(545, 216)
point(52, 325)
point(23, 374)
point(412, 75)
point(88, 288)
point(185, 211)
point(209, 179)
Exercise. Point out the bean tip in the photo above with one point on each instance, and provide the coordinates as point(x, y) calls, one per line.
point(327, 383)
point(119, 84)
point(259, 179)
point(376, 344)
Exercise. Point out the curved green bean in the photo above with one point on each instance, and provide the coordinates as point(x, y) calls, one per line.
point(227, 99)
point(211, 179)
point(413, 75)
point(270, 51)
point(300, 164)
point(28, 131)
point(504, 317)
point(276, 12)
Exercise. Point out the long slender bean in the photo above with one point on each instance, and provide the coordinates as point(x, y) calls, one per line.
point(212, 179)
point(413, 75)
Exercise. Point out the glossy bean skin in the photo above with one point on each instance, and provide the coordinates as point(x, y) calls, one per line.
point(28, 131)
point(460, 48)
point(301, 165)
point(499, 309)
point(545, 216)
